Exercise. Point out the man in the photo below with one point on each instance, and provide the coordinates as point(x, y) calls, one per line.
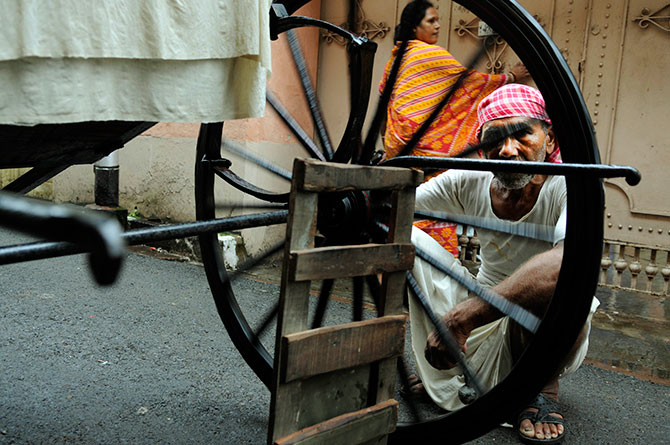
point(522, 270)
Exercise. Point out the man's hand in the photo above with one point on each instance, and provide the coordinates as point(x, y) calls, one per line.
point(438, 354)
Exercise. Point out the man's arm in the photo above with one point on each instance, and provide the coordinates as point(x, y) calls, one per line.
point(531, 286)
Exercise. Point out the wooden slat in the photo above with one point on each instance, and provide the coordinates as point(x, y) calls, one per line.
point(331, 348)
point(318, 176)
point(351, 428)
point(349, 261)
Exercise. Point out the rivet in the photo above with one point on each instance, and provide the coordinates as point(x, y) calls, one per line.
point(567, 40)
point(609, 215)
point(595, 112)
point(609, 224)
point(604, 45)
point(602, 55)
point(660, 231)
point(595, 122)
point(609, 5)
point(568, 31)
point(607, 15)
point(604, 36)
point(597, 93)
point(600, 64)
point(651, 229)
point(597, 103)
point(639, 228)
point(630, 227)
point(620, 226)
point(569, 20)
point(600, 74)
point(606, 25)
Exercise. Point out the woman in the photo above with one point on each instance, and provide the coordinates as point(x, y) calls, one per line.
point(427, 73)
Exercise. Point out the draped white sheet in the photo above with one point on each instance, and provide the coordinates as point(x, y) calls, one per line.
point(151, 60)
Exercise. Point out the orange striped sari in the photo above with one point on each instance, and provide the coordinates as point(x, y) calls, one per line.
point(426, 74)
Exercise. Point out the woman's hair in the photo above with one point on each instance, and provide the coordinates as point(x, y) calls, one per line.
point(411, 17)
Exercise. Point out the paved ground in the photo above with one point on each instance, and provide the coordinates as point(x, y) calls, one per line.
point(148, 361)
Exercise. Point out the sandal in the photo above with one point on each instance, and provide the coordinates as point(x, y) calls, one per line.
point(544, 406)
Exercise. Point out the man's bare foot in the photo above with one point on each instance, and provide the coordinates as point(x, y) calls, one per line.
point(541, 422)
point(415, 389)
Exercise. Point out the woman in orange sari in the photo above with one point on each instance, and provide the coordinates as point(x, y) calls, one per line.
point(427, 73)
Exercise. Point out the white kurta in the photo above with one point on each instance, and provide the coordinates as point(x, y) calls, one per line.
point(488, 350)
point(151, 60)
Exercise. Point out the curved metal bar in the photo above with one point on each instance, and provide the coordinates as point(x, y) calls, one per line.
point(95, 232)
point(286, 23)
point(631, 174)
point(247, 187)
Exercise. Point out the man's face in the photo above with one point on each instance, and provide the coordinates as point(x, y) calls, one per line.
point(529, 142)
point(429, 28)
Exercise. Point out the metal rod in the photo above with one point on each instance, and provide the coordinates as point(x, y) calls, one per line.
point(295, 127)
point(631, 174)
point(310, 94)
point(256, 159)
point(37, 251)
point(445, 335)
point(514, 311)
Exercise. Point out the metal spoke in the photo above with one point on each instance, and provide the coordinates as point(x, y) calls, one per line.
point(445, 336)
point(234, 148)
point(375, 289)
point(251, 262)
point(310, 94)
point(380, 112)
point(403, 373)
point(416, 137)
point(527, 230)
point(295, 127)
point(250, 206)
point(322, 304)
point(358, 299)
point(514, 311)
point(267, 319)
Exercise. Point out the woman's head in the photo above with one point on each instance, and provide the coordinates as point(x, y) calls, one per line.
point(419, 21)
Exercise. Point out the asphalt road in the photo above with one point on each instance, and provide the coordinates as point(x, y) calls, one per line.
point(147, 360)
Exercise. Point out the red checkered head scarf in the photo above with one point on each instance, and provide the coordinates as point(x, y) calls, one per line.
point(515, 100)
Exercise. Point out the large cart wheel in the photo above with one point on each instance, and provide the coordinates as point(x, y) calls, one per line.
point(583, 244)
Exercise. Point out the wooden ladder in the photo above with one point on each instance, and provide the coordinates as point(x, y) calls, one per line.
point(335, 384)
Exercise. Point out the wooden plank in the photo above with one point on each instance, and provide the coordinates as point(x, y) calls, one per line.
point(350, 428)
point(293, 307)
point(318, 176)
point(331, 348)
point(349, 261)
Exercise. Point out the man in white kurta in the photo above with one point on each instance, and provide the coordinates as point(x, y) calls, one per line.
point(534, 203)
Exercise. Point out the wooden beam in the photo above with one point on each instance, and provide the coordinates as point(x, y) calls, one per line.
point(327, 349)
point(357, 427)
point(349, 261)
point(317, 176)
